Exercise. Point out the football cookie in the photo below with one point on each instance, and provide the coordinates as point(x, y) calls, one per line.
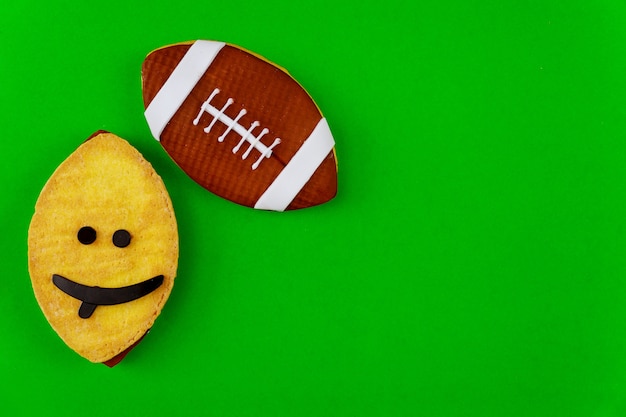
point(103, 248)
point(240, 126)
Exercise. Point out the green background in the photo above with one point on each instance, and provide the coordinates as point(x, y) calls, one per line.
point(472, 264)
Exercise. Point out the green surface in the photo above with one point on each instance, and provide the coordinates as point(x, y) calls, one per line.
point(472, 264)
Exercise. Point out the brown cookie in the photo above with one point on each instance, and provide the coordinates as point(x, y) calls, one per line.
point(239, 125)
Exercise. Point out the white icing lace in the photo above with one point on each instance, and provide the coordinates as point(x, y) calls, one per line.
point(233, 125)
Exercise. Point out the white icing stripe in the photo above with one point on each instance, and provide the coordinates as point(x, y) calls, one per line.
point(299, 170)
point(180, 83)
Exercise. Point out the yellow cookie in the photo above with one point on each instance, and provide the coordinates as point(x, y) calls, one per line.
point(103, 248)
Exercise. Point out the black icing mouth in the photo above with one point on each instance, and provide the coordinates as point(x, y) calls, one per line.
point(93, 297)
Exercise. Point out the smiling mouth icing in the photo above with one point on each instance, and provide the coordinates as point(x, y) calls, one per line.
point(93, 297)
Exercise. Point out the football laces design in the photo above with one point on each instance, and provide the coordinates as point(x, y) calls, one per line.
point(232, 125)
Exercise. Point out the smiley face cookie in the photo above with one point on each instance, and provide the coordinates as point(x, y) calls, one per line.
point(103, 248)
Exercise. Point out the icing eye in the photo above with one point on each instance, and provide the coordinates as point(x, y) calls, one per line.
point(121, 238)
point(86, 235)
